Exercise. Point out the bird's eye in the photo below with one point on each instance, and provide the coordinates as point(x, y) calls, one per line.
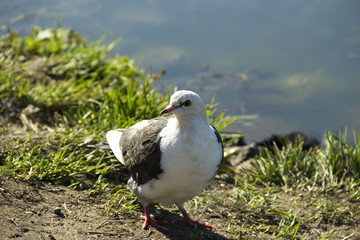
point(187, 103)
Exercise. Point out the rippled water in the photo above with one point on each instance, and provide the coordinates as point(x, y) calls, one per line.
point(290, 65)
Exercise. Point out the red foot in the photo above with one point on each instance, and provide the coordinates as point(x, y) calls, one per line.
point(189, 221)
point(152, 222)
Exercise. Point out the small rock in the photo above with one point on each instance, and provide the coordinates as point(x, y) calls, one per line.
point(52, 237)
point(58, 212)
point(24, 229)
point(15, 235)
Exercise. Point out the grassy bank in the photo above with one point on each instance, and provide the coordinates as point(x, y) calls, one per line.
point(59, 95)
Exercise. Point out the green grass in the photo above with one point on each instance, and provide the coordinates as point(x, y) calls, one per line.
point(81, 90)
point(336, 163)
point(324, 183)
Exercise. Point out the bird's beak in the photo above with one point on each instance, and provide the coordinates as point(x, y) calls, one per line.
point(168, 109)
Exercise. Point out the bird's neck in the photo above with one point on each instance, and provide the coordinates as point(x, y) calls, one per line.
point(192, 123)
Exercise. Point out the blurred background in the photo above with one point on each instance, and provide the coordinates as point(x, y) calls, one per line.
point(287, 65)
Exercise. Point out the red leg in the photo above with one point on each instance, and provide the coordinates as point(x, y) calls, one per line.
point(189, 221)
point(149, 220)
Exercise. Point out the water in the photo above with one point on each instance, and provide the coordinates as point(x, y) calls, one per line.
point(289, 65)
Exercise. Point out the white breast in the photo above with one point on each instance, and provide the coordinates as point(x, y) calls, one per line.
point(189, 161)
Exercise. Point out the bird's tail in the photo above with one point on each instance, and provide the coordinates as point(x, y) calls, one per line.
point(113, 138)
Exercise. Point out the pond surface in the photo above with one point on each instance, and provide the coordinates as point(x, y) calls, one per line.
point(287, 65)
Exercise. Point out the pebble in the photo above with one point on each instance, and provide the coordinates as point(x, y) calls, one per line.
point(58, 212)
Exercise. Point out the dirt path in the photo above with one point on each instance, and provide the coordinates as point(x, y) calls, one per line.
point(46, 211)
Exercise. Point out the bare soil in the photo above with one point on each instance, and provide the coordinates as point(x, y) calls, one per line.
point(37, 210)
point(45, 211)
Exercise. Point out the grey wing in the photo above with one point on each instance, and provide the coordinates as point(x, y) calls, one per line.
point(141, 151)
point(218, 136)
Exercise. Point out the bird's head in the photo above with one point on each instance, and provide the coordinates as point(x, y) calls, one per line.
point(185, 103)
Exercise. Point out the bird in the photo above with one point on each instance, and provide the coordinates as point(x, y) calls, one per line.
point(171, 158)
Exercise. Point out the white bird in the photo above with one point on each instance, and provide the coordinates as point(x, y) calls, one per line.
point(171, 159)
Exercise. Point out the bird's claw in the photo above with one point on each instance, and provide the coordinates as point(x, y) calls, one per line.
point(154, 223)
